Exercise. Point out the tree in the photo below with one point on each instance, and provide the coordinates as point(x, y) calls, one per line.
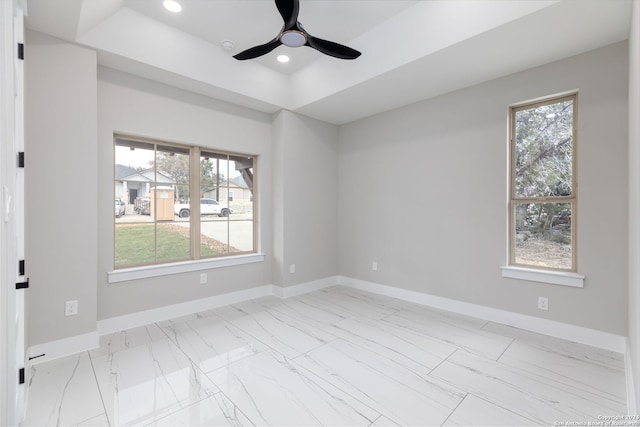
point(544, 150)
point(176, 166)
point(543, 163)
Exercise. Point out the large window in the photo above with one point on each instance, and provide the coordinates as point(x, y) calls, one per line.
point(543, 184)
point(177, 203)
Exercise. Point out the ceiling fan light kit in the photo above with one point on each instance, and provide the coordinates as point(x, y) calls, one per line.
point(293, 34)
point(293, 38)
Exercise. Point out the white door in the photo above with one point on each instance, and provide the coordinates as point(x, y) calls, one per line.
point(12, 215)
point(19, 213)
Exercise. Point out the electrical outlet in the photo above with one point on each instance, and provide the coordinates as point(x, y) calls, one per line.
point(71, 308)
point(543, 303)
point(292, 268)
point(203, 278)
point(374, 266)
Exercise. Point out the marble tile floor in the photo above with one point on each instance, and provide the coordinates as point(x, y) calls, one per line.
point(335, 357)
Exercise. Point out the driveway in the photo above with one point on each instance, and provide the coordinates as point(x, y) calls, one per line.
point(237, 230)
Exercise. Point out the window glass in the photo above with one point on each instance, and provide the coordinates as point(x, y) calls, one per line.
point(228, 225)
point(135, 237)
point(543, 200)
point(156, 218)
point(240, 199)
point(543, 235)
point(172, 184)
point(544, 150)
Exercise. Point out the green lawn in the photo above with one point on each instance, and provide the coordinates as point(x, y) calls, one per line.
point(136, 245)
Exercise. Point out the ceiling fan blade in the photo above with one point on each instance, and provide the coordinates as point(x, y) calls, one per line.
point(332, 49)
point(257, 51)
point(289, 11)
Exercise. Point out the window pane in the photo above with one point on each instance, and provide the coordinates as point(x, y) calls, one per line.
point(172, 242)
point(133, 179)
point(150, 177)
point(134, 230)
point(173, 165)
point(241, 222)
point(135, 244)
point(543, 234)
point(181, 205)
point(544, 150)
point(241, 233)
point(229, 181)
point(214, 219)
point(172, 183)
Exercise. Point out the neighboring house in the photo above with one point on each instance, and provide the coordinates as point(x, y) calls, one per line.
point(239, 190)
point(131, 183)
point(236, 193)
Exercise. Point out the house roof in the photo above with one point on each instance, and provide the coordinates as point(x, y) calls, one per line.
point(131, 175)
point(124, 171)
point(238, 181)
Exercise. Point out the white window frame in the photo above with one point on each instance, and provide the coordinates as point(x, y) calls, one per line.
point(566, 277)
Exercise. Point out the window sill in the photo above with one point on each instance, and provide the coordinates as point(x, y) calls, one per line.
point(146, 272)
point(545, 276)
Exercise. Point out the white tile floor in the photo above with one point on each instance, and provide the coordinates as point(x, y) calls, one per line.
point(333, 357)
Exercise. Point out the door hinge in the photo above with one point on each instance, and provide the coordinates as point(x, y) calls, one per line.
point(21, 267)
point(21, 159)
point(21, 51)
point(21, 376)
point(23, 285)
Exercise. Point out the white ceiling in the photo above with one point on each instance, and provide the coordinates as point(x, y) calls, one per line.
point(411, 50)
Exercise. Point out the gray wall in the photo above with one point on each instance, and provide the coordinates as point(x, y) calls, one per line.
point(449, 237)
point(61, 246)
point(421, 190)
point(74, 111)
point(131, 105)
point(305, 199)
point(634, 199)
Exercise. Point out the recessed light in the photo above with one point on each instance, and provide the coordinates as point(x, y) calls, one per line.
point(283, 58)
point(172, 6)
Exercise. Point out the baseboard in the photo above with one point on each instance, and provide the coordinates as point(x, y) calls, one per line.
point(141, 318)
point(133, 320)
point(552, 328)
point(632, 408)
point(77, 344)
point(64, 347)
point(303, 288)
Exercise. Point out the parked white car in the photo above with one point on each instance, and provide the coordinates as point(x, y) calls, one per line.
point(207, 207)
point(120, 208)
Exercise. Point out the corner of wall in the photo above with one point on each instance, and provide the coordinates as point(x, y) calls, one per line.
point(305, 194)
point(278, 196)
point(633, 340)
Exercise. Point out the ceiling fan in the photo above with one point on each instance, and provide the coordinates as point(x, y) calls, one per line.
point(293, 34)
